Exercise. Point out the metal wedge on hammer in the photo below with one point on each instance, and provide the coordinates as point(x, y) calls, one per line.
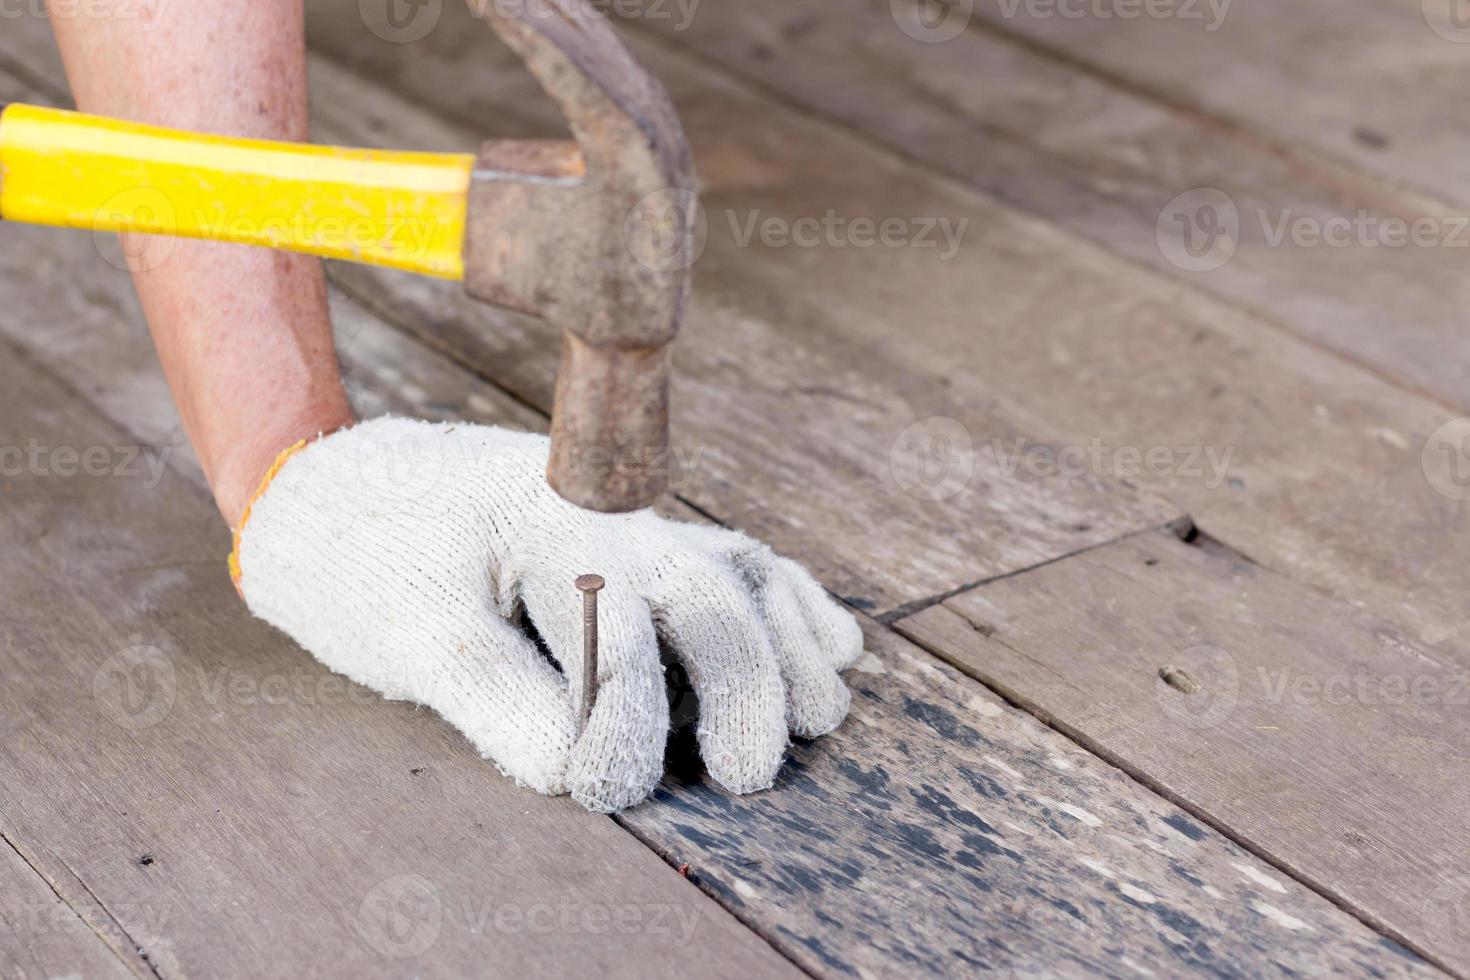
point(594, 234)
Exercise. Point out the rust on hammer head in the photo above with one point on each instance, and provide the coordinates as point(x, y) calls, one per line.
point(556, 229)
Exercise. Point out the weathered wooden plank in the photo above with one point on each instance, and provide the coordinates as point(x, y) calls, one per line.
point(682, 835)
point(255, 814)
point(773, 396)
point(852, 423)
point(1308, 464)
point(40, 935)
point(940, 764)
point(943, 832)
point(1053, 801)
point(1102, 159)
point(1325, 738)
point(1369, 82)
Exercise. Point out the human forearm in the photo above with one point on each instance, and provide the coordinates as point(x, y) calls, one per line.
point(243, 334)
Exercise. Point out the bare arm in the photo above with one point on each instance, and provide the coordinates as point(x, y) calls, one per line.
point(402, 580)
point(243, 333)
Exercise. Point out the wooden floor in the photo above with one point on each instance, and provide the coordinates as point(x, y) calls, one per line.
point(1167, 672)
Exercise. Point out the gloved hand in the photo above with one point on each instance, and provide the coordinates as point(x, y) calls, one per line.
point(402, 554)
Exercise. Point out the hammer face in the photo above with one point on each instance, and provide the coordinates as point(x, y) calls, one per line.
point(610, 432)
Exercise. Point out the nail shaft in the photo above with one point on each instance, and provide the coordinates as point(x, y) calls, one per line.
point(589, 586)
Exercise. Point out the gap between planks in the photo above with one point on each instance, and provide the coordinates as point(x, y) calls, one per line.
point(1184, 528)
point(499, 387)
point(138, 962)
point(1018, 701)
point(1386, 902)
point(128, 956)
point(768, 802)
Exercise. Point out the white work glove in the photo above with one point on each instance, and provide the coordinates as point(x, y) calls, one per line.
point(401, 554)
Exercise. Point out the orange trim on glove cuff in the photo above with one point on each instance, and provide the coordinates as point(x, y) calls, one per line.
point(265, 482)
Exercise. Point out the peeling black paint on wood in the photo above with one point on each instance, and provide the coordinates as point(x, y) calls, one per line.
point(940, 832)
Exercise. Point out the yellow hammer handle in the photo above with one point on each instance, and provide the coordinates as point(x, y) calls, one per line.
point(390, 208)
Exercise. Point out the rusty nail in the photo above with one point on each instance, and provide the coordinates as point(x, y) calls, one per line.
point(589, 585)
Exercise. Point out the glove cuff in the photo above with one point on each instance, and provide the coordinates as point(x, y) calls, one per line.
point(265, 482)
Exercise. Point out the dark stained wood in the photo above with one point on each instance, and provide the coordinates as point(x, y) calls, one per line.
point(947, 751)
point(687, 821)
point(235, 808)
point(920, 733)
point(941, 832)
point(1322, 477)
point(684, 832)
point(1102, 159)
point(912, 772)
point(40, 935)
point(1326, 738)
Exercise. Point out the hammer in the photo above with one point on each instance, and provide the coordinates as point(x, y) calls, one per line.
point(594, 235)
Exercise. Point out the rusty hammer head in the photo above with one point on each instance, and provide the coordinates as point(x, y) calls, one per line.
point(595, 236)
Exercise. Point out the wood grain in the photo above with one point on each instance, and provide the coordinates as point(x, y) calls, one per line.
point(924, 725)
point(1327, 739)
point(1098, 157)
point(1319, 469)
point(987, 851)
point(940, 832)
point(40, 935)
point(235, 808)
point(774, 398)
point(1369, 82)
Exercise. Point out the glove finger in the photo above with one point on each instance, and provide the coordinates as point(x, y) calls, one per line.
point(708, 619)
point(816, 697)
point(618, 760)
point(497, 688)
point(836, 629)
